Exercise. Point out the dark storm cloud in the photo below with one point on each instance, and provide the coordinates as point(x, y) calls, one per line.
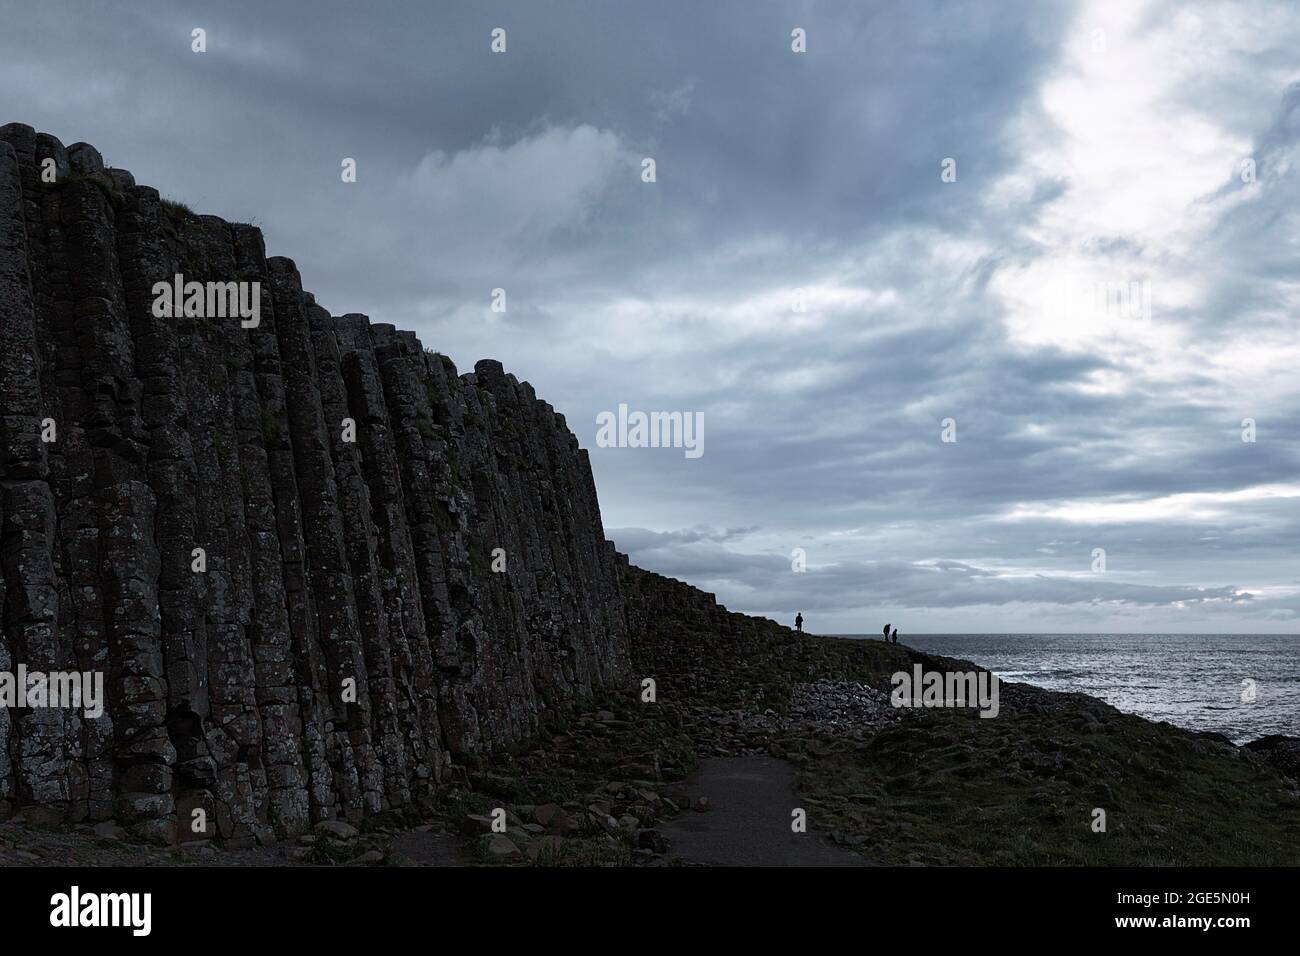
point(810, 151)
point(775, 172)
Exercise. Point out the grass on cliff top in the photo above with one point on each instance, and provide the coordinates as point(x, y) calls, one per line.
point(177, 209)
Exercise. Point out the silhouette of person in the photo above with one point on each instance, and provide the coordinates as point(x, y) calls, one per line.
point(895, 640)
point(798, 622)
point(886, 634)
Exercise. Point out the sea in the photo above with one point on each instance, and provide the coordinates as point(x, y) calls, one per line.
point(1244, 686)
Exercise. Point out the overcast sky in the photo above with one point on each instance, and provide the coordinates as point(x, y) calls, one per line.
point(1103, 294)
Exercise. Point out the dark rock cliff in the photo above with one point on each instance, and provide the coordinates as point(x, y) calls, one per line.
point(329, 563)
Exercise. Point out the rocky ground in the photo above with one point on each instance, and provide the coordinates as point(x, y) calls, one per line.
point(597, 794)
point(591, 796)
point(896, 786)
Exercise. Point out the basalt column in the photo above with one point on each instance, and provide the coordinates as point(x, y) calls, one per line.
point(314, 566)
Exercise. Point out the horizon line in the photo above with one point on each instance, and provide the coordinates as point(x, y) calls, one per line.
point(1066, 634)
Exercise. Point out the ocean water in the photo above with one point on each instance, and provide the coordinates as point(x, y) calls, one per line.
point(1191, 680)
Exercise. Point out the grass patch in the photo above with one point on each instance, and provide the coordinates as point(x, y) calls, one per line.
point(950, 788)
point(178, 210)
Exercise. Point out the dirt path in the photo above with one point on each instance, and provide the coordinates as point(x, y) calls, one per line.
point(748, 821)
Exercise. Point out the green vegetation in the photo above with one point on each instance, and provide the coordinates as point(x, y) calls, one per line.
point(175, 209)
point(598, 850)
point(1020, 789)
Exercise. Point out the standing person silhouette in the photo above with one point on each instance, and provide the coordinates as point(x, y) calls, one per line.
point(798, 622)
point(886, 633)
point(895, 639)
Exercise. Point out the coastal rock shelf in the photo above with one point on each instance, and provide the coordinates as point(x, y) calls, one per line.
point(328, 564)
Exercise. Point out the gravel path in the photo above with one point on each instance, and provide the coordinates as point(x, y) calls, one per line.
point(748, 821)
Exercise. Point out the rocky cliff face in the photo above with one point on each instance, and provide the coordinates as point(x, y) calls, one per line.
point(328, 560)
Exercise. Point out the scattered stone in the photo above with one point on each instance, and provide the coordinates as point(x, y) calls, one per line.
point(199, 852)
point(473, 824)
point(552, 817)
point(653, 840)
point(501, 847)
point(337, 829)
point(108, 830)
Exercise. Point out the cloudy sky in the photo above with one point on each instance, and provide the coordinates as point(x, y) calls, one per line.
point(1097, 300)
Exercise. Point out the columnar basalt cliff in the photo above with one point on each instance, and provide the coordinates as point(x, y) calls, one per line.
point(325, 577)
point(128, 441)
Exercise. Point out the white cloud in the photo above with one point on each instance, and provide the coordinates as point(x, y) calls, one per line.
point(540, 182)
point(1191, 506)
